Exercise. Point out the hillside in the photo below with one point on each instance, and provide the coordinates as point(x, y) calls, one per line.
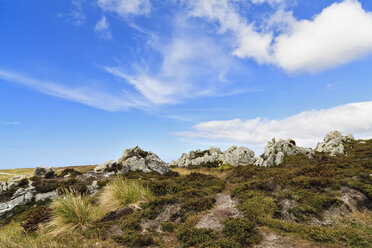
point(309, 199)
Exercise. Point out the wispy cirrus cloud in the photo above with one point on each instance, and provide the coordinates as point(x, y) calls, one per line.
point(126, 7)
point(306, 128)
point(186, 69)
point(84, 94)
point(76, 15)
point(102, 29)
point(9, 123)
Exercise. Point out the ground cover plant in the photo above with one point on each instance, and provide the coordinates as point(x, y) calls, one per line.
point(320, 202)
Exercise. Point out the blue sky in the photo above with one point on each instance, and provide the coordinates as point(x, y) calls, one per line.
point(82, 80)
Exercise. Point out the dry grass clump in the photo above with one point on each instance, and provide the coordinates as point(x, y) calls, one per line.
point(73, 212)
point(122, 192)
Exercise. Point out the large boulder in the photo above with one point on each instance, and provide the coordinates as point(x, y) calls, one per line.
point(237, 156)
point(44, 172)
point(106, 166)
point(135, 159)
point(214, 157)
point(276, 150)
point(333, 143)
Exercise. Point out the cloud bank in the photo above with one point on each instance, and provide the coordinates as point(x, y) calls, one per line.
point(339, 34)
point(307, 127)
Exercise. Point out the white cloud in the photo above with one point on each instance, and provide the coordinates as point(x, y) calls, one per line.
point(272, 2)
point(339, 34)
point(306, 128)
point(85, 95)
point(102, 28)
point(249, 42)
point(126, 7)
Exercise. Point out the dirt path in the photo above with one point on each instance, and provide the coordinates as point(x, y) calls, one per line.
point(225, 207)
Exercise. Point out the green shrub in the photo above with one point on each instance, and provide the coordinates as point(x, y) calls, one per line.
point(257, 208)
point(220, 243)
point(198, 204)
point(189, 236)
point(134, 239)
point(168, 227)
point(242, 230)
point(131, 222)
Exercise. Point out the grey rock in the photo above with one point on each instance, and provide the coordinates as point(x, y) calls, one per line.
point(233, 156)
point(20, 197)
point(93, 188)
point(13, 182)
point(45, 196)
point(276, 150)
point(333, 143)
point(105, 166)
point(135, 159)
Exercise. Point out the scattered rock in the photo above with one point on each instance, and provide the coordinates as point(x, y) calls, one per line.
point(135, 159)
point(166, 215)
point(333, 143)
point(225, 208)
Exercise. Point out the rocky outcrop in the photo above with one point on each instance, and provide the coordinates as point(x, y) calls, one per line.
point(135, 159)
point(276, 150)
point(234, 156)
point(333, 143)
point(44, 172)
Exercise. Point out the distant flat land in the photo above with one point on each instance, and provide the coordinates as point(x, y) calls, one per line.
point(6, 174)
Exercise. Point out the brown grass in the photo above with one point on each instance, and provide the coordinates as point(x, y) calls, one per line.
point(6, 174)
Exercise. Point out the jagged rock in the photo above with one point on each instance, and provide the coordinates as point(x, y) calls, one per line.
point(93, 188)
point(135, 159)
point(276, 150)
point(20, 197)
point(44, 172)
point(333, 143)
point(105, 166)
point(3, 187)
point(234, 156)
point(14, 181)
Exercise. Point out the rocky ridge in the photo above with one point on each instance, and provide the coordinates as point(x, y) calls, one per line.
point(20, 190)
point(274, 153)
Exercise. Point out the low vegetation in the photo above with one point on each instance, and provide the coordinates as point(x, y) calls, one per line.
point(121, 192)
point(326, 201)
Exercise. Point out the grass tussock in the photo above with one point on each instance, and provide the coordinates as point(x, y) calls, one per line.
point(122, 192)
point(73, 212)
